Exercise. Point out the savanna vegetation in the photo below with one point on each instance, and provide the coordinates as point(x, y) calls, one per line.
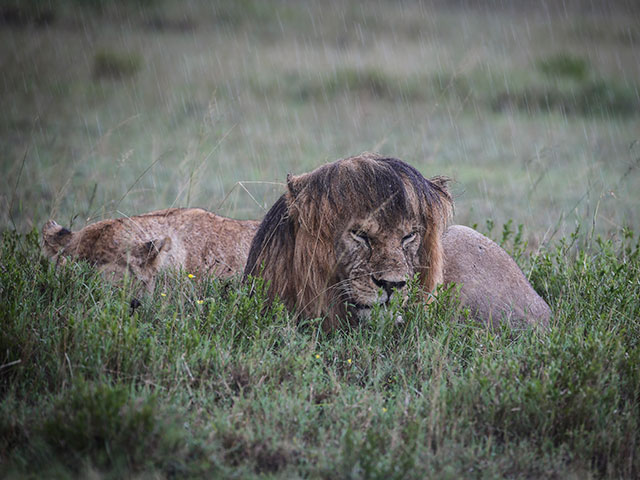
point(115, 109)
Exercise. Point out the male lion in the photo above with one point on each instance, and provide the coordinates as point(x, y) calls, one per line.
point(492, 285)
point(344, 237)
point(193, 239)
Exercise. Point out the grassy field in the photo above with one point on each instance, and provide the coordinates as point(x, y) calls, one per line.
point(117, 110)
point(201, 381)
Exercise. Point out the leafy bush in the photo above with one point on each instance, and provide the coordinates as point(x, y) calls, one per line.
point(593, 97)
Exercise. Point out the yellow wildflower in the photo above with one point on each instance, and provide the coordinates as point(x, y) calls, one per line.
point(191, 275)
point(163, 294)
point(349, 361)
point(317, 355)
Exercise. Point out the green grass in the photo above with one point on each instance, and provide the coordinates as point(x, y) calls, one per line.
point(225, 387)
point(564, 65)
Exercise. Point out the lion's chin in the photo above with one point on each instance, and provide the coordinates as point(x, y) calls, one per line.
point(362, 310)
point(363, 314)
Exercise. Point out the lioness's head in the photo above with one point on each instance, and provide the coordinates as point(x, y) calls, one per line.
point(346, 236)
point(140, 261)
point(114, 259)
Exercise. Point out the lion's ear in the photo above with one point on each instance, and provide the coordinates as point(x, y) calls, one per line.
point(295, 183)
point(441, 184)
point(444, 209)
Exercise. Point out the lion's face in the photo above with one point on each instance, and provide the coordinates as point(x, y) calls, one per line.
point(375, 260)
point(346, 236)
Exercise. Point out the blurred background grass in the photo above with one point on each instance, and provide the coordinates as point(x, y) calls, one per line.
point(117, 108)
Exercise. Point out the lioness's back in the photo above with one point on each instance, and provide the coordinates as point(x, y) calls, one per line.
point(200, 241)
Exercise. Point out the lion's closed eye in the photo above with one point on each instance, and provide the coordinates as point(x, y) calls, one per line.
point(408, 239)
point(361, 237)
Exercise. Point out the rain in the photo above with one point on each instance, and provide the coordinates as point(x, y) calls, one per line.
point(114, 109)
point(110, 109)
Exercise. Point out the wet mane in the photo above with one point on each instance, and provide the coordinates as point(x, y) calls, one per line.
point(294, 246)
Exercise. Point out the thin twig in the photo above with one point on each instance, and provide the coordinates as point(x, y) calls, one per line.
point(10, 364)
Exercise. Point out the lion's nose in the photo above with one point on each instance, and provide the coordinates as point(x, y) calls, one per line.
point(388, 285)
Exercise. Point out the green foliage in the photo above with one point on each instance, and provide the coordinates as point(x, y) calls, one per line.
point(564, 65)
point(569, 86)
point(240, 12)
point(597, 97)
point(111, 64)
point(111, 428)
point(370, 83)
point(207, 379)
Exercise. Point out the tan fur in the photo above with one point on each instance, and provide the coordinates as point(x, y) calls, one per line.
point(491, 284)
point(192, 239)
point(345, 236)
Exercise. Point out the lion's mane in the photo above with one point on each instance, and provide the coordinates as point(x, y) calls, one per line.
point(294, 248)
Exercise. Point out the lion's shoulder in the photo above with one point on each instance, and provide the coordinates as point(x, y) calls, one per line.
point(491, 283)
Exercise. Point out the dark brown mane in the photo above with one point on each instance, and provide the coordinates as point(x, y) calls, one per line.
point(293, 248)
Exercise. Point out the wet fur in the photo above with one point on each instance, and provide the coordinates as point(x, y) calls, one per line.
point(295, 247)
point(491, 284)
point(192, 239)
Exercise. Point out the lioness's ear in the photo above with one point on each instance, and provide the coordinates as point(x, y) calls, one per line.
point(148, 252)
point(54, 238)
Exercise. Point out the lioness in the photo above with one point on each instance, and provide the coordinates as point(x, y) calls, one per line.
point(347, 235)
point(192, 239)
